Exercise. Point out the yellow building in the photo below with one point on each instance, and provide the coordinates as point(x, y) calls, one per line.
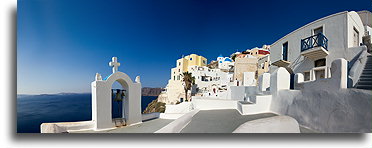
point(174, 90)
point(184, 63)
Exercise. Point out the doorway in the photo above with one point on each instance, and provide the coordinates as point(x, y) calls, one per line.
point(118, 94)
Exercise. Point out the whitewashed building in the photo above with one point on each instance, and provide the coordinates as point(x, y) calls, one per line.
point(210, 82)
point(311, 48)
point(225, 63)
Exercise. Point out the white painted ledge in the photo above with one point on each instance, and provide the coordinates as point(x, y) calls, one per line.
point(63, 127)
point(177, 125)
point(172, 116)
point(150, 116)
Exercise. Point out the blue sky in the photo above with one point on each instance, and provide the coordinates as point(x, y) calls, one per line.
point(61, 44)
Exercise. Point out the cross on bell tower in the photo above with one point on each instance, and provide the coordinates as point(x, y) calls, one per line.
point(114, 64)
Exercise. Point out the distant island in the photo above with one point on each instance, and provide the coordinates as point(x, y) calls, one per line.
point(147, 91)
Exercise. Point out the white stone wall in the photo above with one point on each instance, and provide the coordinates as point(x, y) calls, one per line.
point(174, 92)
point(326, 105)
point(264, 82)
point(249, 79)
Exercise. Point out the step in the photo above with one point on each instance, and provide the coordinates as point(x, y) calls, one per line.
point(365, 76)
point(369, 79)
point(365, 87)
point(367, 72)
point(365, 83)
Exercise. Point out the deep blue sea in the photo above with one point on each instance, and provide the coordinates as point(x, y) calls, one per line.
point(32, 110)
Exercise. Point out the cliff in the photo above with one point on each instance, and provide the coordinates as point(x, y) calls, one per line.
point(147, 91)
point(155, 106)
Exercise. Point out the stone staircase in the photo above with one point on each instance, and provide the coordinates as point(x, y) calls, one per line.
point(365, 80)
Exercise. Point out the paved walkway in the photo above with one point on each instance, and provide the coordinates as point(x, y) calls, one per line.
point(220, 121)
point(205, 121)
point(145, 127)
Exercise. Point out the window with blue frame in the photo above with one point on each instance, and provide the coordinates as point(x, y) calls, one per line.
point(285, 51)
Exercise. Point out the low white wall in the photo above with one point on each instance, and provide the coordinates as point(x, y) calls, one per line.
point(62, 127)
point(171, 115)
point(183, 107)
point(150, 116)
point(264, 82)
point(345, 110)
point(262, 105)
point(326, 105)
point(177, 125)
point(337, 81)
point(277, 124)
point(205, 103)
point(356, 66)
point(243, 93)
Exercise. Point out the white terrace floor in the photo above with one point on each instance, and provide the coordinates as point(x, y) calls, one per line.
point(205, 121)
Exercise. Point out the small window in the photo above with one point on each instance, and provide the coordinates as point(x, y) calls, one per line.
point(190, 59)
point(318, 30)
point(179, 70)
point(355, 38)
point(285, 51)
point(179, 63)
point(320, 63)
point(174, 77)
point(307, 76)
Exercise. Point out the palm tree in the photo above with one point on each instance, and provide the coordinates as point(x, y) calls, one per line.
point(233, 56)
point(188, 80)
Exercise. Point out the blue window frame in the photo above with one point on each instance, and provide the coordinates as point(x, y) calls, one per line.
point(285, 51)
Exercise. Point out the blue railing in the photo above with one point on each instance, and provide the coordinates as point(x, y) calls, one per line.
point(318, 40)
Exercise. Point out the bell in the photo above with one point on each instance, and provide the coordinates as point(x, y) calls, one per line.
point(118, 96)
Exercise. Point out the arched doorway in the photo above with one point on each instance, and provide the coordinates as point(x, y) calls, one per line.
point(117, 100)
point(119, 97)
point(102, 102)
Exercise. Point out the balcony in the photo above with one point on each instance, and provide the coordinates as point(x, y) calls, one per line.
point(315, 47)
point(281, 63)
